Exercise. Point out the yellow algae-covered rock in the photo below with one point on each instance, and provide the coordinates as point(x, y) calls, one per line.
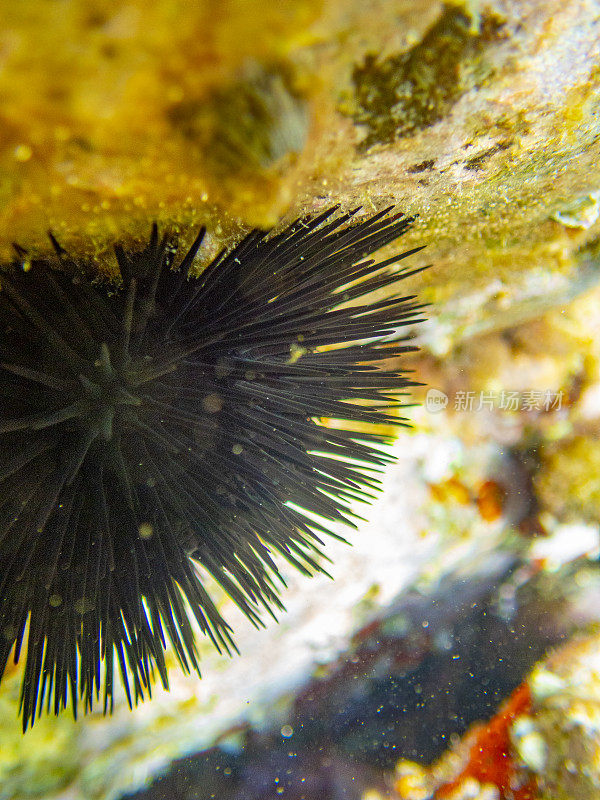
point(480, 116)
point(568, 483)
point(564, 747)
point(115, 114)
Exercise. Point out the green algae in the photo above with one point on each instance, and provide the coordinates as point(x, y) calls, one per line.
point(41, 764)
point(409, 91)
point(249, 125)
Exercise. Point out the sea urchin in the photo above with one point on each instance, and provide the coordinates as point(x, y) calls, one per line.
point(175, 421)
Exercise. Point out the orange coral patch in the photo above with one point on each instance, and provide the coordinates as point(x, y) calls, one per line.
point(490, 758)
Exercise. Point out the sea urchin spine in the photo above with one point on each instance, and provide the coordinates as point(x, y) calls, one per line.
point(175, 421)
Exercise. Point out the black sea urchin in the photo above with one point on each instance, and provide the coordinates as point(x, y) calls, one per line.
point(174, 422)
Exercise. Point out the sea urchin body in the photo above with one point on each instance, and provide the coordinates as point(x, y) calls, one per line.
point(175, 421)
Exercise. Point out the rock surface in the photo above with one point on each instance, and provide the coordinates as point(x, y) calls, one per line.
point(482, 117)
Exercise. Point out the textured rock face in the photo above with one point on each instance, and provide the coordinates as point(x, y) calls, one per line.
point(480, 116)
point(566, 712)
